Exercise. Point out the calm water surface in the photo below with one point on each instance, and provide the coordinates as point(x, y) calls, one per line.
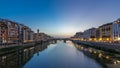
point(61, 55)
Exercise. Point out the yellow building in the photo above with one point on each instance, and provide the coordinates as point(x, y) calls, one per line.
point(105, 32)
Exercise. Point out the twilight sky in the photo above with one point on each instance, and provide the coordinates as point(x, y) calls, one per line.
point(60, 18)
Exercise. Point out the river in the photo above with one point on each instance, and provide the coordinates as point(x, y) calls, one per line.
point(60, 54)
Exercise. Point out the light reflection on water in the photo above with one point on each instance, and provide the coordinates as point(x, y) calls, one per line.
point(58, 55)
point(61, 55)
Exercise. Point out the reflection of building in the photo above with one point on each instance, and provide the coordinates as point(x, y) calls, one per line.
point(98, 55)
point(18, 58)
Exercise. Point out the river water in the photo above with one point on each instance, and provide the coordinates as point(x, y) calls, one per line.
point(61, 55)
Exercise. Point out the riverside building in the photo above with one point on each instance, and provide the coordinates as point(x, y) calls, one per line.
point(14, 33)
point(106, 32)
point(90, 34)
point(116, 31)
point(109, 32)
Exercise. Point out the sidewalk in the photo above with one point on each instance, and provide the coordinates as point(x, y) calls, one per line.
point(6, 46)
point(13, 45)
point(110, 46)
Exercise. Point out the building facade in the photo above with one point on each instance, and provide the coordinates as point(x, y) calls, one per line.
point(78, 36)
point(3, 32)
point(90, 34)
point(106, 32)
point(41, 36)
point(97, 34)
point(116, 31)
point(27, 34)
point(37, 36)
point(14, 33)
point(109, 32)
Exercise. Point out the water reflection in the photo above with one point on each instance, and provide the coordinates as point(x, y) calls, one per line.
point(105, 58)
point(62, 54)
point(20, 57)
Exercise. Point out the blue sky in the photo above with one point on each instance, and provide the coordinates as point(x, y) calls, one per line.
point(60, 18)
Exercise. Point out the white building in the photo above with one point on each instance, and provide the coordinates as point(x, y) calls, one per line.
point(89, 34)
point(31, 36)
point(12, 32)
point(78, 36)
point(116, 30)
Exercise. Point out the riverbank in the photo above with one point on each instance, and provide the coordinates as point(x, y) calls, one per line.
point(14, 47)
point(109, 47)
point(107, 59)
point(18, 58)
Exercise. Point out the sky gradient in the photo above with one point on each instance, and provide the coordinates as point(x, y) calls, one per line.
point(60, 18)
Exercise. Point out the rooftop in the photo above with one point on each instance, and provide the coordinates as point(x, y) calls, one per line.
point(105, 24)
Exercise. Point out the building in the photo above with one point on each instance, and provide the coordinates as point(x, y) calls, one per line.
point(97, 34)
point(87, 35)
point(90, 34)
point(32, 36)
point(3, 32)
point(116, 31)
point(109, 32)
point(78, 36)
point(106, 32)
point(20, 33)
point(14, 33)
point(27, 34)
point(41, 36)
point(37, 36)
